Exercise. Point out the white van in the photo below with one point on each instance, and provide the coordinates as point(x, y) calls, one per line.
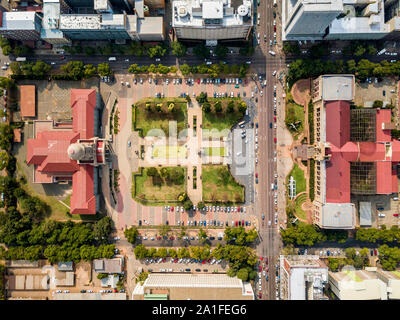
point(112, 59)
point(272, 186)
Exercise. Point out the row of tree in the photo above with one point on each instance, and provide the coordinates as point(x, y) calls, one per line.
point(161, 69)
point(379, 235)
point(306, 68)
point(73, 70)
point(308, 235)
point(58, 253)
point(215, 70)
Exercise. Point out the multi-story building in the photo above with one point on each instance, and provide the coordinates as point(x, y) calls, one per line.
point(354, 153)
point(302, 277)
point(304, 19)
point(50, 25)
point(212, 19)
point(357, 285)
point(21, 25)
point(335, 20)
point(71, 152)
point(173, 286)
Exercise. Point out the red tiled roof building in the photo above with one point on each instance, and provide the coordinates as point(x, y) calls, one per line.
point(61, 152)
point(354, 153)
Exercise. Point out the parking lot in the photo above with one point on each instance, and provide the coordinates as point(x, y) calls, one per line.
point(366, 93)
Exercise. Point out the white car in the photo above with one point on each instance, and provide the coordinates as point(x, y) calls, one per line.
point(274, 74)
point(52, 63)
point(261, 93)
point(263, 273)
point(117, 238)
point(158, 60)
point(269, 222)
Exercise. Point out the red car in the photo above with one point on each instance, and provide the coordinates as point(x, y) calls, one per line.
point(260, 295)
point(172, 208)
point(159, 238)
point(238, 209)
point(198, 81)
point(275, 140)
point(242, 222)
point(259, 268)
point(266, 260)
point(266, 269)
point(275, 28)
point(245, 81)
point(395, 214)
point(171, 238)
point(274, 119)
point(203, 261)
point(261, 258)
point(256, 175)
point(236, 223)
point(375, 252)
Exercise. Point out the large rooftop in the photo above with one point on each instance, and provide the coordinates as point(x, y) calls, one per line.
point(338, 87)
point(200, 13)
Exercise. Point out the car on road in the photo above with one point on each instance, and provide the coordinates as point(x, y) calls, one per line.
point(269, 222)
point(263, 217)
point(272, 53)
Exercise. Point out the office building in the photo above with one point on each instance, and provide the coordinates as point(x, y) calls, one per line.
point(173, 286)
point(302, 277)
point(212, 19)
point(357, 285)
point(21, 25)
point(50, 25)
point(354, 153)
point(334, 20)
point(65, 152)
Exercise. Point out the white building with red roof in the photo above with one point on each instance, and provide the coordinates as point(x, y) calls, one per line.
point(62, 151)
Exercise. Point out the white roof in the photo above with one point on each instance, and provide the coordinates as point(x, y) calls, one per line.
point(19, 20)
point(192, 280)
point(338, 216)
point(90, 296)
point(213, 10)
point(336, 87)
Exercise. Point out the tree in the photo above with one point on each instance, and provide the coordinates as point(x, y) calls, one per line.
point(90, 71)
point(218, 107)
point(135, 48)
point(201, 51)
point(40, 69)
point(303, 234)
point(201, 205)
point(221, 51)
point(188, 205)
point(101, 276)
point(202, 97)
point(242, 107)
point(131, 234)
point(185, 69)
point(206, 107)
point(359, 51)
point(231, 106)
point(378, 104)
point(102, 229)
point(151, 172)
point(156, 51)
point(350, 253)
point(6, 50)
point(104, 70)
point(165, 230)
point(4, 158)
point(89, 51)
point(178, 49)
point(140, 251)
point(243, 274)
point(74, 69)
point(291, 48)
point(202, 235)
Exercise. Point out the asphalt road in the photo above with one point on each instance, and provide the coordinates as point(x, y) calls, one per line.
point(269, 237)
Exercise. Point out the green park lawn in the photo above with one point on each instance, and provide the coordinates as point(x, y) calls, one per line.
point(223, 120)
point(220, 186)
point(298, 175)
point(294, 114)
point(148, 120)
point(156, 191)
point(300, 213)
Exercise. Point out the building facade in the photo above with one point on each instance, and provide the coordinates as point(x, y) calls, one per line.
point(21, 25)
point(212, 19)
point(302, 277)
